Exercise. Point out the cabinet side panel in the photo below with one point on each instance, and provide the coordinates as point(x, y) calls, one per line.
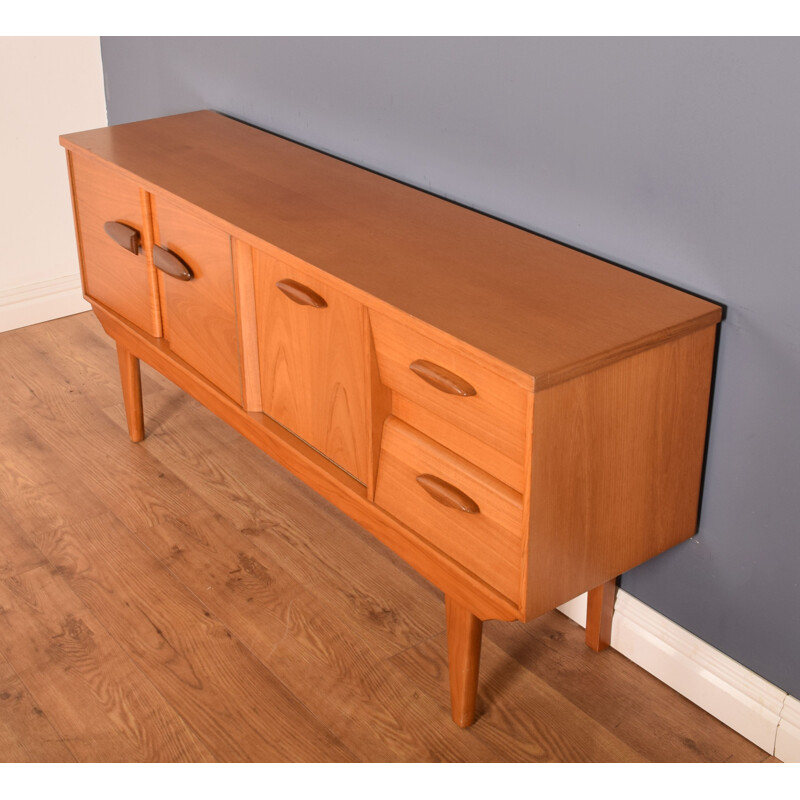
point(616, 470)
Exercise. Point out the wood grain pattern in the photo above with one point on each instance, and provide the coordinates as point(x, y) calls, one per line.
point(600, 614)
point(546, 310)
point(495, 415)
point(199, 315)
point(519, 716)
point(312, 374)
point(617, 457)
point(358, 636)
point(131, 380)
point(546, 506)
point(98, 700)
point(227, 697)
point(26, 733)
point(463, 660)
point(379, 399)
point(319, 651)
point(17, 554)
point(642, 713)
point(246, 317)
point(488, 543)
point(157, 329)
point(111, 274)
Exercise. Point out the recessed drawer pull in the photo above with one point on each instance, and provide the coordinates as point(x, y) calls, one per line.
point(124, 235)
point(170, 264)
point(442, 379)
point(447, 494)
point(300, 294)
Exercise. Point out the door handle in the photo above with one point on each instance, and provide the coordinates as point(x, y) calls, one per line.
point(124, 235)
point(447, 494)
point(442, 379)
point(300, 294)
point(169, 263)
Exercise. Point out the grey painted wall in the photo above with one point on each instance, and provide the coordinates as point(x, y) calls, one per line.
point(678, 157)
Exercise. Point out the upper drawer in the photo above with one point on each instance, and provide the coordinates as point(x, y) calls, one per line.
point(448, 395)
point(114, 270)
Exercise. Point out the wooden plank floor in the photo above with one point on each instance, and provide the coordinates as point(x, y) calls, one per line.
point(185, 599)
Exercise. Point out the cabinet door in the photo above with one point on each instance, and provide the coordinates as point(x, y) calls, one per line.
point(106, 205)
point(313, 361)
point(199, 314)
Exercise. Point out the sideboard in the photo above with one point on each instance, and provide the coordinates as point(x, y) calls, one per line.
point(519, 421)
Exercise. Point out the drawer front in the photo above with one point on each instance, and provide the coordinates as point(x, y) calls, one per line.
point(472, 517)
point(455, 400)
point(113, 274)
point(313, 361)
point(199, 315)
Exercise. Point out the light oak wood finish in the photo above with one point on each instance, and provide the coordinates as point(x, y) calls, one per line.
point(494, 413)
point(311, 353)
point(199, 315)
point(546, 310)
point(247, 319)
point(390, 348)
point(463, 657)
point(309, 465)
point(334, 616)
point(111, 273)
point(487, 543)
point(617, 458)
point(599, 615)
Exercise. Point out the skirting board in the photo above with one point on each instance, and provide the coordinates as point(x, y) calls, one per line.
point(39, 302)
point(753, 707)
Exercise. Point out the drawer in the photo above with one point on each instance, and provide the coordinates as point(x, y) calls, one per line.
point(472, 410)
point(471, 516)
point(199, 315)
point(112, 272)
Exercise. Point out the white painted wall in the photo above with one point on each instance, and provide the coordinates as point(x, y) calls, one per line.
point(48, 86)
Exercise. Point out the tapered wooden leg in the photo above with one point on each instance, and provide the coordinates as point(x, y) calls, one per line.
point(599, 612)
point(464, 655)
point(131, 392)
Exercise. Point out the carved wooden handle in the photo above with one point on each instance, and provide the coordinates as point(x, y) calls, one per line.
point(442, 379)
point(124, 235)
point(300, 294)
point(447, 494)
point(170, 264)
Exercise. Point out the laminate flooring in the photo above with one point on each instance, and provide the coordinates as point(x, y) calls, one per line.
point(186, 599)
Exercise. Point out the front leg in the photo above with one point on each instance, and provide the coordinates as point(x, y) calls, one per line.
point(131, 392)
point(464, 654)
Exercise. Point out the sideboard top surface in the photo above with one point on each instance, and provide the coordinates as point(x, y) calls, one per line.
point(543, 308)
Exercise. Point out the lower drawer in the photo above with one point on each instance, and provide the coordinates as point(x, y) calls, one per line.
point(457, 507)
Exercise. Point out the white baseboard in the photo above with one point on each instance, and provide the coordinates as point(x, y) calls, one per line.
point(39, 302)
point(787, 742)
point(753, 707)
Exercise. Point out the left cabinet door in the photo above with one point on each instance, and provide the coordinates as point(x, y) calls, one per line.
point(110, 222)
point(198, 311)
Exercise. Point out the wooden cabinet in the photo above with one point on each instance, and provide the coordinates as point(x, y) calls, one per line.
point(519, 421)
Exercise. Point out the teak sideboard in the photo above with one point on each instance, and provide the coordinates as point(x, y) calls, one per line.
point(519, 421)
